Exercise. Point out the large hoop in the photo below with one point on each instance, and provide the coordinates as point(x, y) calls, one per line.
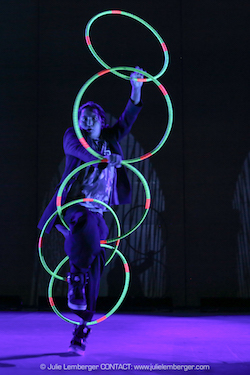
point(88, 83)
point(67, 205)
point(133, 169)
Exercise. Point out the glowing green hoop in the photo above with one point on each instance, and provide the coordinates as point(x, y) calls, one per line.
point(104, 317)
point(88, 83)
point(133, 169)
point(67, 205)
point(138, 19)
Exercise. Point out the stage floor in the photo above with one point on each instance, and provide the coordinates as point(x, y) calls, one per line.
point(37, 343)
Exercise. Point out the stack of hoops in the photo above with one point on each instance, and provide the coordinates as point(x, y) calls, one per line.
point(100, 159)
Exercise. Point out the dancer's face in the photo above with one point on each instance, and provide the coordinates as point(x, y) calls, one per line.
point(90, 121)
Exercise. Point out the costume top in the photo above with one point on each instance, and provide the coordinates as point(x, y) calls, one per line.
point(76, 154)
point(94, 181)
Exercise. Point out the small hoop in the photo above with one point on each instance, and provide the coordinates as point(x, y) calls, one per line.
point(138, 19)
point(104, 317)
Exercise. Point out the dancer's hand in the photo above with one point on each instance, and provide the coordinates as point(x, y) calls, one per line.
point(114, 160)
point(136, 86)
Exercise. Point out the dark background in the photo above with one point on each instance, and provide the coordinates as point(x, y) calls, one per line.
point(45, 61)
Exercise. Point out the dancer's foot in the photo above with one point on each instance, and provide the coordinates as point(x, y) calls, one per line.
point(76, 292)
point(78, 342)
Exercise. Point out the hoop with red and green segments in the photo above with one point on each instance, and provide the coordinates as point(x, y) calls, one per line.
point(138, 19)
point(104, 317)
point(126, 164)
point(91, 80)
point(67, 205)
